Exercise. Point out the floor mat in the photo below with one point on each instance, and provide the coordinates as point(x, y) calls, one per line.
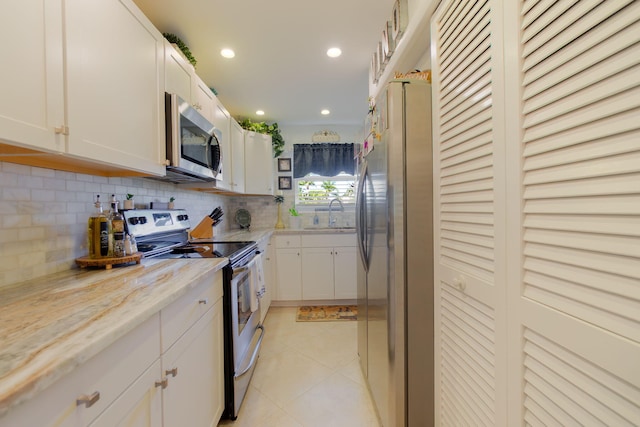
point(324, 313)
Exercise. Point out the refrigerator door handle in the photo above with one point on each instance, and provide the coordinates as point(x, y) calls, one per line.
point(361, 217)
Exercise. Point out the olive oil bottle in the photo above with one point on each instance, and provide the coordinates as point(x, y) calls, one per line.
point(98, 232)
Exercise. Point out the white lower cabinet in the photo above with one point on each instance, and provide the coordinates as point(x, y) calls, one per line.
point(289, 271)
point(101, 382)
point(344, 272)
point(192, 369)
point(139, 406)
point(266, 247)
point(316, 267)
point(167, 371)
point(317, 273)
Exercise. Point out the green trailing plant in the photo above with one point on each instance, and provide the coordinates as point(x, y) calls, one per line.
point(261, 127)
point(172, 38)
point(293, 212)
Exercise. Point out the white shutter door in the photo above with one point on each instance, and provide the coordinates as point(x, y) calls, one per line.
point(470, 331)
point(576, 315)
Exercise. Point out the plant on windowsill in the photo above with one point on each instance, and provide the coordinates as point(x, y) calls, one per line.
point(277, 142)
point(295, 220)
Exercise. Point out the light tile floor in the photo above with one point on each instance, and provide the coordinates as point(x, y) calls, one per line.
point(308, 375)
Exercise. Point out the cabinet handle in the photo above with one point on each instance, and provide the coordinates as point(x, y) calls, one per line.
point(203, 301)
point(89, 400)
point(460, 282)
point(162, 383)
point(62, 130)
point(173, 372)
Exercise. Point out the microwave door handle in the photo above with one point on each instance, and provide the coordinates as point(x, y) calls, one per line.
point(209, 153)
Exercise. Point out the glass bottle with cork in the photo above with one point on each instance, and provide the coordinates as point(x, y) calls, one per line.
point(117, 227)
point(98, 232)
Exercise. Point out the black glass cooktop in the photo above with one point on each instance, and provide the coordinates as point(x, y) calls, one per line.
point(231, 250)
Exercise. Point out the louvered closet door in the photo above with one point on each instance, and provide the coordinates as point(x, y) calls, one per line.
point(470, 296)
point(576, 315)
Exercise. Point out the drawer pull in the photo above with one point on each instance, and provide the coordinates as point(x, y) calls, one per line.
point(204, 301)
point(89, 400)
point(162, 383)
point(173, 372)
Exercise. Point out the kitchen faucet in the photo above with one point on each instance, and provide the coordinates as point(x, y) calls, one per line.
point(332, 220)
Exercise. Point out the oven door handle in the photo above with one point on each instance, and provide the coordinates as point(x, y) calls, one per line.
point(254, 356)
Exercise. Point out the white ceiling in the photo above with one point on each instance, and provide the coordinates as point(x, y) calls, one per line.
point(281, 65)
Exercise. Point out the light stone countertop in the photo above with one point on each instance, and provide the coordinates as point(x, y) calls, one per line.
point(51, 325)
point(258, 234)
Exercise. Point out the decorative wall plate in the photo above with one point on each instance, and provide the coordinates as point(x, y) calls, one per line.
point(243, 218)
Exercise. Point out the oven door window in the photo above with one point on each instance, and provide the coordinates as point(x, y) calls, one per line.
point(244, 300)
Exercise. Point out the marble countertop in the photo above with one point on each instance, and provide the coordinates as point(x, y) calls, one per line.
point(258, 234)
point(50, 325)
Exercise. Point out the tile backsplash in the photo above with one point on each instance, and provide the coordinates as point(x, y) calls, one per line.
point(44, 212)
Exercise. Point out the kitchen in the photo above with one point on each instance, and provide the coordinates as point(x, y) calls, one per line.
point(44, 212)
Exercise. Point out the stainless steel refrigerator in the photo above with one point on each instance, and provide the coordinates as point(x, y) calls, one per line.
point(394, 223)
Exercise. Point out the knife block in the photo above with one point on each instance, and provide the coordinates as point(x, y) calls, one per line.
point(204, 230)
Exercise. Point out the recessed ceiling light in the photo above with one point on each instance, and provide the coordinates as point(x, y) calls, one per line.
point(325, 112)
point(260, 113)
point(334, 52)
point(227, 53)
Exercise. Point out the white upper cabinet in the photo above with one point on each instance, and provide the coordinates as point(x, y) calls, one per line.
point(31, 78)
point(114, 80)
point(236, 134)
point(109, 82)
point(258, 163)
point(179, 73)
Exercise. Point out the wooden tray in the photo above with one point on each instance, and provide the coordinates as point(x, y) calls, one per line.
point(107, 263)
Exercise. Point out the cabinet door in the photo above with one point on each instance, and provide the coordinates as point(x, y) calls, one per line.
point(114, 85)
point(178, 73)
point(469, 215)
point(258, 163)
point(268, 259)
point(139, 406)
point(106, 376)
point(317, 273)
point(344, 272)
point(194, 396)
point(221, 120)
point(31, 78)
point(237, 157)
point(203, 100)
point(574, 244)
point(289, 274)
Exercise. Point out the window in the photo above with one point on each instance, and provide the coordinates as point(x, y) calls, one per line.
point(323, 172)
point(315, 190)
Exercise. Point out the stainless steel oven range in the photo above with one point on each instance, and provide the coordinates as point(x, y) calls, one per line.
point(164, 234)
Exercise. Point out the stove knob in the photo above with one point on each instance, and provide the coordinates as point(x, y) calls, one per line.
point(142, 220)
point(133, 220)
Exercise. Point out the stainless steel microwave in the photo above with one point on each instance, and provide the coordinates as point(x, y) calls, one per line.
point(193, 143)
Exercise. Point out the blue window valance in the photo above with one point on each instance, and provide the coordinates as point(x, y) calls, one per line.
point(326, 159)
